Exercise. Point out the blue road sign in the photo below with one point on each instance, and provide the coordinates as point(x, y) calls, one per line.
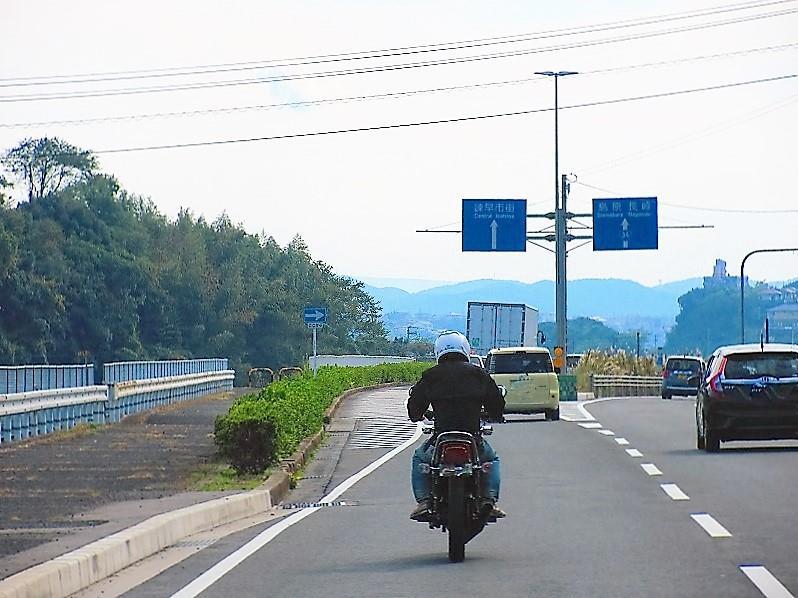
point(625, 223)
point(315, 315)
point(494, 225)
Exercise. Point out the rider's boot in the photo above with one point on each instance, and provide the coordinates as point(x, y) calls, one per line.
point(422, 510)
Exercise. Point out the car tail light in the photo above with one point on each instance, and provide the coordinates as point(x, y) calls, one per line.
point(715, 382)
point(456, 454)
point(664, 374)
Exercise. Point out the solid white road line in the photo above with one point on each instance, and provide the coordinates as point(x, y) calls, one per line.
point(622, 441)
point(650, 469)
point(223, 567)
point(765, 581)
point(634, 453)
point(607, 432)
point(590, 425)
point(674, 492)
point(710, 525)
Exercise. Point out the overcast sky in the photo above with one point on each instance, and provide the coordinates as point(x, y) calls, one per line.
point(723, 157)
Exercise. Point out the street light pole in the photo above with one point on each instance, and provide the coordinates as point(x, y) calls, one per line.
point(560, 228)
point(742, 283)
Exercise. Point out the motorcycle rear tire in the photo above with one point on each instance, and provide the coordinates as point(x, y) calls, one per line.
point(456, 515)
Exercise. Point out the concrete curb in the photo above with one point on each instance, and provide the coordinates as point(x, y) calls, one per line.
point(77, 570)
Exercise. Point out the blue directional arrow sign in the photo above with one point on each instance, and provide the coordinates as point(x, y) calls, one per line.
point(315, 315)
point(494, 225)
point(625, 223)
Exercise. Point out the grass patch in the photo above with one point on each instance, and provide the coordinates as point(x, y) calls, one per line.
point(221, 477)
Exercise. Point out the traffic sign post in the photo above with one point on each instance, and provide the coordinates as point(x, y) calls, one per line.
point(625, 223)
point(494, 225)
point(315, 318)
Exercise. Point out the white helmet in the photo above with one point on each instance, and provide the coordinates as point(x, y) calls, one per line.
point(451, 342)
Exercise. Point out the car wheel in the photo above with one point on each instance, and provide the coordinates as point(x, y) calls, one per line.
point(665, 395)
point(699, 439)
point(553, 415)
point(711, 438)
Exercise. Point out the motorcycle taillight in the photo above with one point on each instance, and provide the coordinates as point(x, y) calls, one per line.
point(456, 454)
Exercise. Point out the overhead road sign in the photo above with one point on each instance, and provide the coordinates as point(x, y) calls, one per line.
point(625, 223)
point(315, 317)
point(494, 225)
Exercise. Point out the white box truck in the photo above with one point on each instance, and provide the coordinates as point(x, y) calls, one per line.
point(497, 325)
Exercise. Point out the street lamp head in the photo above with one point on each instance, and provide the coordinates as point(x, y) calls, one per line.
point(557, 74)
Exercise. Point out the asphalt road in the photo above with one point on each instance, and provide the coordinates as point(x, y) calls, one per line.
point(585, 519)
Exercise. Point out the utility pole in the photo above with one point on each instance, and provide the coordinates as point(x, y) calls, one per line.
point(560, 228)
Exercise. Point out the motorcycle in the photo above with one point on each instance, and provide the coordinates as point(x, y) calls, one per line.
point(458, 502)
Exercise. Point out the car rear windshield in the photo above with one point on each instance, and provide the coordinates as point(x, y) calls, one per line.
point(520, 363)
point(683, 365)
point(757, 365)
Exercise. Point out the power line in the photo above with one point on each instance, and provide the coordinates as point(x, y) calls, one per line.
point(379, 69)
point(386, 95)
point(696, 208)
point(383, 53)
point(442, 121)
point(643, 153)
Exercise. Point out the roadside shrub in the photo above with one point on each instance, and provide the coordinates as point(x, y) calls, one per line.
point(282, 414)
point(245, 436)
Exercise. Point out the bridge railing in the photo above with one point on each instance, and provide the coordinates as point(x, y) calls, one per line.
point(132, 396)
point(38, 412)
point(625, 386)
point(149, 370)
point(28, 378)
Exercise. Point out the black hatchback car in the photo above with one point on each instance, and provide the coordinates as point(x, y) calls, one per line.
point(749, 392)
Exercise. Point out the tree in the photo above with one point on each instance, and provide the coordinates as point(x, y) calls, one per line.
point(4, 186)
point(45, 166)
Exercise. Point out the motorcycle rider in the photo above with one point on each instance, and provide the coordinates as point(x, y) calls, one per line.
point(457, 391)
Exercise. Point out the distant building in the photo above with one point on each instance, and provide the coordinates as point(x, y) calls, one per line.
point(769, 295)
point(720, 277)
point(783, 323)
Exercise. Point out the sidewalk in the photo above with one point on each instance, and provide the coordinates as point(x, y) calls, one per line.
point(65, 490)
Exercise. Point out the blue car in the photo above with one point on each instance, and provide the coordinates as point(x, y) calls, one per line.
point(677, 373)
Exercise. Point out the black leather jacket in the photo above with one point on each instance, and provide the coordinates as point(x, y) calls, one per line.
point(457, 391)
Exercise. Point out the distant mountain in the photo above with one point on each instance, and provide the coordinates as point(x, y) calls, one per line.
point(411, 285)
point(603, 298)
point(680, 287)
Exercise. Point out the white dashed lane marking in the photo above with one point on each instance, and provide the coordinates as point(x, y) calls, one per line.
point(710, 525)
point(765, 581)
point(674, 491)
point(650, 469)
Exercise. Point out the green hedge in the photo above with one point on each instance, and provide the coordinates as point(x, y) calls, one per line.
point(260, 428)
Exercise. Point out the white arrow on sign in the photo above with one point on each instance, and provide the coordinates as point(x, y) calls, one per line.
point(493, 228)
point(625, 227)
point(316, 315)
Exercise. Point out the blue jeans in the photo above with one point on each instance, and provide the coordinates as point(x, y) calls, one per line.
point(422, 484)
